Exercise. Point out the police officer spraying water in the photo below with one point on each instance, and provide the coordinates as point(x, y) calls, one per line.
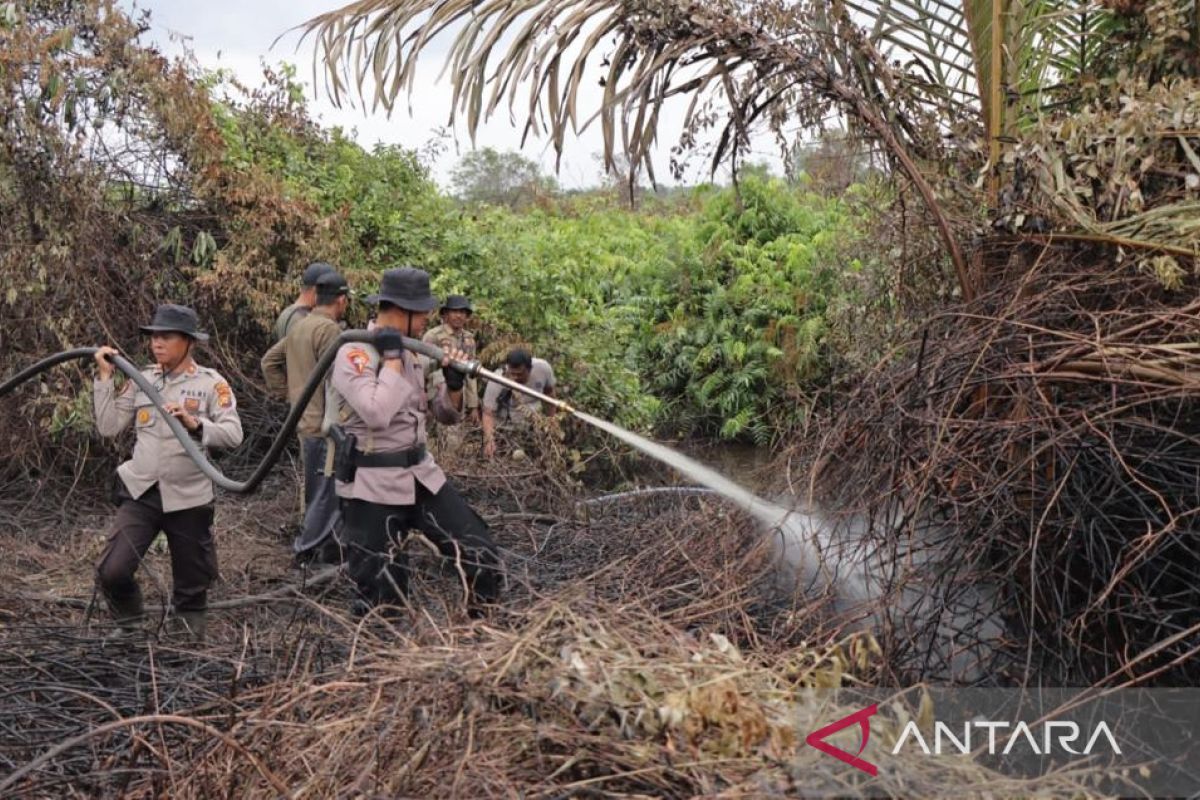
point(389, 483)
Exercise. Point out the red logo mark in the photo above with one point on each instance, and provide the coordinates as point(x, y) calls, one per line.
point(817, 739)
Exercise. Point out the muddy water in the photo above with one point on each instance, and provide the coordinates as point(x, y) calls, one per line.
point(746, 463)
point(767, 512)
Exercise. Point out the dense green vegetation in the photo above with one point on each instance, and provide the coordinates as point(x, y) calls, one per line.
point(703, 313)
point(697, 312)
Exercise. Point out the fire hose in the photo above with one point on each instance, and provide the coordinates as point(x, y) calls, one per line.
point(783, 520)
point(193, 450)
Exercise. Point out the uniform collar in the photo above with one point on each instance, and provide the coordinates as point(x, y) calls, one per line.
point(191, 370)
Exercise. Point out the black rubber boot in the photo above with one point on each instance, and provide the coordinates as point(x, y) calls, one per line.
point(191, 626)
point(130, 615)
point(129, 612)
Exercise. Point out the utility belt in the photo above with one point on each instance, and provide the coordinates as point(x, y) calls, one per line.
point(347, 458)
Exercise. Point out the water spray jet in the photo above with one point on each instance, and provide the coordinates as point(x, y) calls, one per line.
point(818, 556)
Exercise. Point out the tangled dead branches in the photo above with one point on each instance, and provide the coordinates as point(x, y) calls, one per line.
point(638, 653)
point(1054, 430)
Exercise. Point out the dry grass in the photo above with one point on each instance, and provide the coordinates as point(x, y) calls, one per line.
point(1052, 431)
point(641, 652)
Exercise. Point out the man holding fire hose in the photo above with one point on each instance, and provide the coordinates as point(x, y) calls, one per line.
point(387, 480)
point(286, 368)
point(160, 488)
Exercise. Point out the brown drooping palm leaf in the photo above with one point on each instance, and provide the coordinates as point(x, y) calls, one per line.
point(905, 72)
point(785, 64)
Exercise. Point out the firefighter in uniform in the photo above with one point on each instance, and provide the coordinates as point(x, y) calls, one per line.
point(388, 482)
point(160, 488)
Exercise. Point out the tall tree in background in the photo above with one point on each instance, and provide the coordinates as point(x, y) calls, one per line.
point(500, 179)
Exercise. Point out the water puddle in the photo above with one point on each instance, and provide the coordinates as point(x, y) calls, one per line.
point(800, 537)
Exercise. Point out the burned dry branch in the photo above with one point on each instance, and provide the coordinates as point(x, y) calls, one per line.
point(635, 657)
point(1053, 430)
point(609, 619)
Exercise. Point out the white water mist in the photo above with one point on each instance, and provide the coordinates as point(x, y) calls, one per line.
point(953, 625)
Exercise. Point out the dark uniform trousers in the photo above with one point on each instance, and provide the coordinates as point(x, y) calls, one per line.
point(189, 538)
point(375, 535)
point(321, 503)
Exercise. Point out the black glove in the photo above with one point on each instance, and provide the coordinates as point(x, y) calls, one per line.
point(388, 342)
point(454, 379)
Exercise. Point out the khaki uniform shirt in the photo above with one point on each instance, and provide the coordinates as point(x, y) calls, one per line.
point(290, 361)
point(511, 406)
point(289, 317)
point(464, 340)
point(386, 412)
point(158, 457)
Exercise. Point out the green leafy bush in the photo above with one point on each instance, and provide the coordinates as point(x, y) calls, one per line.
point(733, 337)
point(707, 317)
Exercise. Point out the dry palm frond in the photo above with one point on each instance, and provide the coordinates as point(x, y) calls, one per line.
point(767, 62)
point(1056, 426)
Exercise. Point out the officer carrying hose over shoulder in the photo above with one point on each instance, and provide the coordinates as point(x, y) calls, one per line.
point(287, 367)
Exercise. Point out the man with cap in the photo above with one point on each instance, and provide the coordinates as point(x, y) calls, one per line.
point(502, 406)
point(160, 488)
point(287, 367)
point(452, 334)
point(387, 480)
point(304, 301)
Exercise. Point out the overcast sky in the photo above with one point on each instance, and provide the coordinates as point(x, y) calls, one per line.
point(238, 34)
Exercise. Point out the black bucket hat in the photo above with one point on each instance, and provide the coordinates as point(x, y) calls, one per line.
point(458, 302)
point(178, 319)
point(407, 288)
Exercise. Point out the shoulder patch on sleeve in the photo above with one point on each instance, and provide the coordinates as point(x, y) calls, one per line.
point(358, 359)
point(224, 394)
